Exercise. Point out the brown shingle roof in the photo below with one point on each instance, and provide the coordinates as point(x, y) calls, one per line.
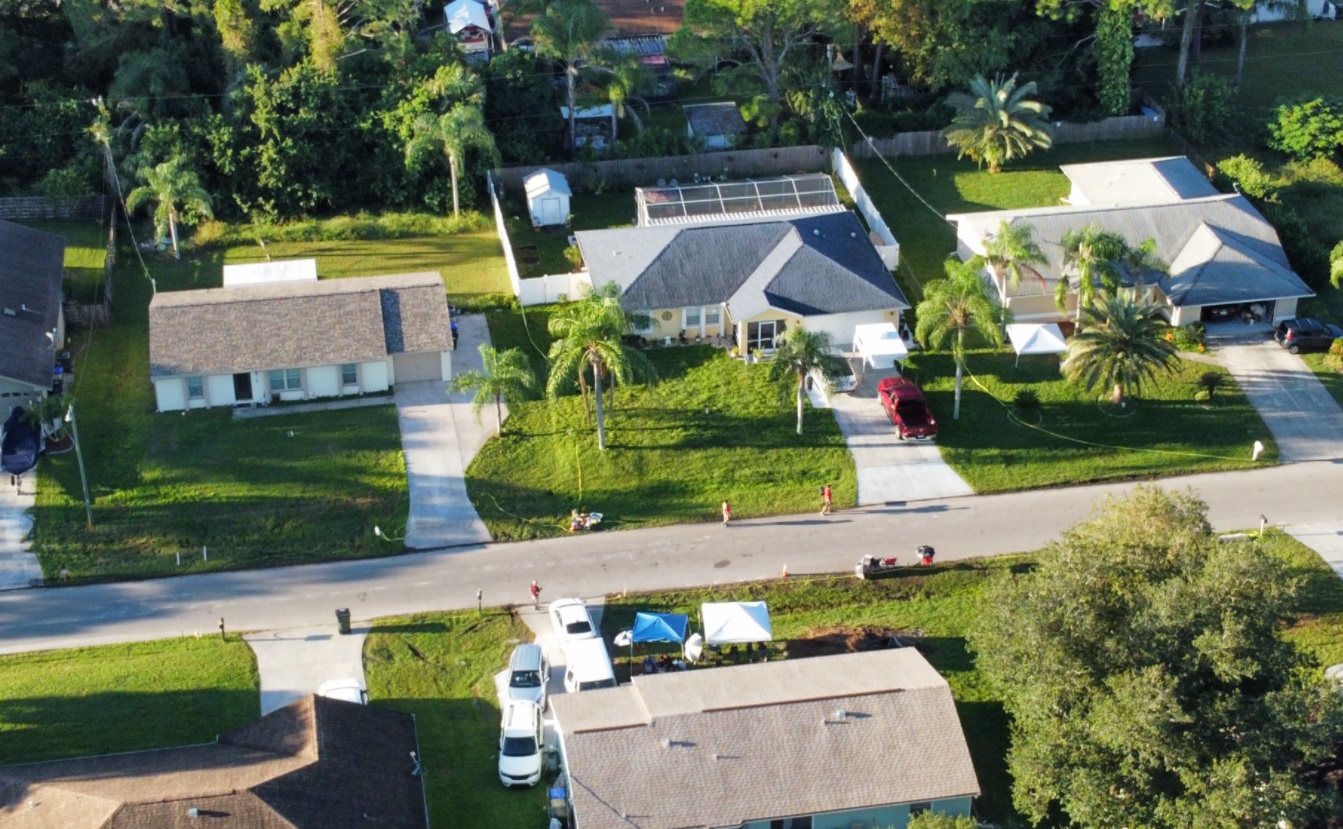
point(724, 746)
point(32, 264)
point(317, 763)
point(296, 324)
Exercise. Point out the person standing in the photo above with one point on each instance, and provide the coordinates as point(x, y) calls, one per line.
point(455, 335)
point(535, 590)
point(826, 500)
point(727, 513)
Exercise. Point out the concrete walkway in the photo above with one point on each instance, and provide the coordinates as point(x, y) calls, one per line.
point(293, 663)
point(245, 412)
point(18, 566)
point(1325, 538)
point(1304, 419)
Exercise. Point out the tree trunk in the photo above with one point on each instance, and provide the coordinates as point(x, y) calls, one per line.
point(172, 231)
point(956, 407)
point(1191, 13)
point(860, 85)
point(601, 415)
point(875, 77)
point(1240, 52)
point(452, 173)
point(1117, 396)
point(498, 416)
point(800, 381)
point(570, 77)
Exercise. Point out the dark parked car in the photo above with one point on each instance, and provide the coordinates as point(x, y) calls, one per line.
point(1306, 334)
point(904, 405)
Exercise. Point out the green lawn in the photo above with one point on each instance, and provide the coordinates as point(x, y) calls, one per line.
point(541, 252)
point(440, 667)
point(1076, 442)
point(710, 428)
point(85, 253)
point(113, 698)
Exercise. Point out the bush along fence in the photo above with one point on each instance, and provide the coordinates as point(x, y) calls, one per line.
point(41, 208)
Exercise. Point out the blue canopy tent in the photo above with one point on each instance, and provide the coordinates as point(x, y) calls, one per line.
point(654, 627)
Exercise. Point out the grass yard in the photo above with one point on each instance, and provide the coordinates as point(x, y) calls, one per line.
point(85, 253)
point(541, 252)
point(113, 698)
point(440, 667)
point(676, 448)
point(1170, 434)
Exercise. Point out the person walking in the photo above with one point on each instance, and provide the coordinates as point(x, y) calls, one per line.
point(727, 513)
point(826, 500)
point(455, 335)
point(535, 590)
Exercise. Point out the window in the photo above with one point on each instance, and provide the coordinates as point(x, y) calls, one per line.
point(643, 322)
point(195, 388)
point(760, 335)
point(349, 374)
point(712, 315)
point(286, 379)
point(691, 317)
point(920, 808)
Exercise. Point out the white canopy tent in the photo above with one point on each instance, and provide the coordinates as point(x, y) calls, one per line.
point(727, 623)
point(1036, 339)
point(879, 344)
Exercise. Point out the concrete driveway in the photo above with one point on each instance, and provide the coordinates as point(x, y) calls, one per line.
point(292, 663)
point(890, 469)
point(18, 566)
point(1304, 419)
point(441, 515)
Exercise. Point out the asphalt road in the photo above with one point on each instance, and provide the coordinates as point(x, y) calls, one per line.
point(611, 562)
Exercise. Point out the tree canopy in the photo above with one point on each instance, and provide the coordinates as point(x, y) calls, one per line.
point(998, 121)
point(1143, 664)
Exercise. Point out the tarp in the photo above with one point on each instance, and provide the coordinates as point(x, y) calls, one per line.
point(728, 623)
point(1036, 339)
point(464, 14)
point(18, 451)
point(879, 344)
point(659, 627)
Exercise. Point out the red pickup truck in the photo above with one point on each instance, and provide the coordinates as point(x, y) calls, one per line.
point(904, 405)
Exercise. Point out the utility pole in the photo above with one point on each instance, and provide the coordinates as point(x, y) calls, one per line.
point(79, 455)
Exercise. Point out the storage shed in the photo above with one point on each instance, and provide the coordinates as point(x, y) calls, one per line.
point(548, 197)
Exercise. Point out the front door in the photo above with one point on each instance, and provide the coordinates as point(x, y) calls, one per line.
point(760, 336)
point(242, 387)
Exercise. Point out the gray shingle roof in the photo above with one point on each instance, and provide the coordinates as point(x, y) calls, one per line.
point(296, 324)
point(722, 118)
point(32, 265)
point(809, 265)
point(317, 763)
point(1173, 226)
point(721, 746)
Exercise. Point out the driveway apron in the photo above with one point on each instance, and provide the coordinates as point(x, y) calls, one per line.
point(1304, 419)
point(890, 469)
point(292, 663)
point(18, 566)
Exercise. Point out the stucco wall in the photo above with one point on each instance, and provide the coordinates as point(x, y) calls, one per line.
point(374, 377)
point(219, 390)
point(171, 394)
point(322, 381)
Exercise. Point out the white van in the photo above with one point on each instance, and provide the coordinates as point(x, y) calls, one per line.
point(587, 666)
point(520, 744)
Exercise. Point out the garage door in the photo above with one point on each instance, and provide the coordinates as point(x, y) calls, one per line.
point(423, 365)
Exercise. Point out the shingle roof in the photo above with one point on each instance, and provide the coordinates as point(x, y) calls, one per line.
point(296, 324)
point(1173, 226)
point(1139, 180)
point(317, 763)
point(809, 265)
point(32, 264)
point(721, 118)
point(722, 746)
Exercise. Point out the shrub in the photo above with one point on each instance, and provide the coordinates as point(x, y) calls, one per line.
point(1188, 337)
point(1309, 256)
point(362, 226)
point(1308, 128)
point(1336, 265)
point(1334, 359)
point(1026, 401)
point(1203, 396)
point(1248, 175)
point(471, 303)
point(1209, 381)
point(573, 256)
point(1204, 109)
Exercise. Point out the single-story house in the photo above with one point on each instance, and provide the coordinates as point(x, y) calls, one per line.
point(719, 125)
point(317, 763)
point(1224, 256)
point(856, 741)
point(256, 344)
point(32, 325)
point(548, 195)
point(747, 279)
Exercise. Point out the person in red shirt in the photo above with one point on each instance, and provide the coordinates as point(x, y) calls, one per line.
point(727, 513)
point(826, 500)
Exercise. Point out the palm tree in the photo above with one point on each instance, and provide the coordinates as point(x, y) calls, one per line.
point(997, 121)
point(1094, 255)
point(1010, 251)
point(953, 305)
point(505, 376)
point(455, 131)
point(1122, 345)
point(801, 353)
point(588, 338)
point(627, 75)
point(1140, 260)
point(570, 31)
point(177, 195)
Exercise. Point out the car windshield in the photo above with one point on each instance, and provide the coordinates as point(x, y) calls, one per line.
point(911, 411)
point(600, 683)
point(526, 679)
point(578, 626)
point(519, 746)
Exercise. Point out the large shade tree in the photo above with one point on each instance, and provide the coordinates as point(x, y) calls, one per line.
point(570, 32)
point(1143, 664)
point(587, 341)
point(1122, 345)
point(504, 377)
point(951, 307)
point(998, 121)
point(801, 353)
point(177, 196)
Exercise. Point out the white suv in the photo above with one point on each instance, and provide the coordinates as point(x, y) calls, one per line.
point(520, 744)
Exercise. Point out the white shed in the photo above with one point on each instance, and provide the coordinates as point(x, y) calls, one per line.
point(548, 196)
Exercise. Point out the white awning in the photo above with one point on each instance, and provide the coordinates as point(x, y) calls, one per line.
point(732, 622)
point(463, 14)
point(879, 344)
point(1036, 339)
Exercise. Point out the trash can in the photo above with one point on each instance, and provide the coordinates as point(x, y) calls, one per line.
point(343, 619)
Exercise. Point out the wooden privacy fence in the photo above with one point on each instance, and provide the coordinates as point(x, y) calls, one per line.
point(932, 142)
point(30, 208)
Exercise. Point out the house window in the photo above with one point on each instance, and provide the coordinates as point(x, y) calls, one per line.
point(195, 388)
point(713, 315)
point(920, 808)
point(691, 318)
point(643, 322)
point(286, 379)
point(349, 375)
point(760, 336)
point(803, 822)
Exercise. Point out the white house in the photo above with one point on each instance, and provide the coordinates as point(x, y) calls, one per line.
point(32, 326)
point(257, 344)
point(548, 195)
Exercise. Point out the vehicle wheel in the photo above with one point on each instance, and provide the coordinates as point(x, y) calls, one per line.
point(1295, 349)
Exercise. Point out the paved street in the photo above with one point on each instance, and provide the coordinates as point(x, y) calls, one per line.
point(589, 565)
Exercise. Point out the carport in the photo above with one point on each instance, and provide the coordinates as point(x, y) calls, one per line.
point(879, 345)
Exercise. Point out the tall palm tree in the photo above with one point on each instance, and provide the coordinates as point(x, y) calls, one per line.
point(455, 131)
point(588, 338)
point(626, 76)
point(952, 306)
point(1010, 251)
point(177, 195)
point(1122, 345)
point(801, 353)
point(505, 376)
point(998, 121)
point(1095, 256)
point(569, 32)
point(1139, 261)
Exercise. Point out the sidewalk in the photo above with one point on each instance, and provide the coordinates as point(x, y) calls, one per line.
point(18, 567)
